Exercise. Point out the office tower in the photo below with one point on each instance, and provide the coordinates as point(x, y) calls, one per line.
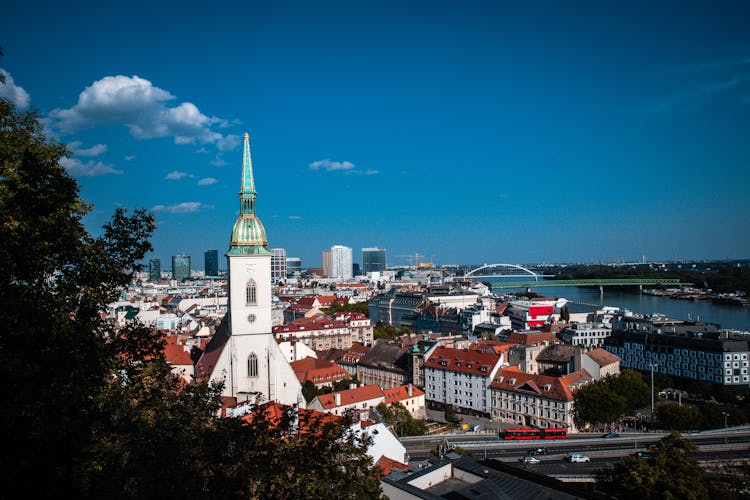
point(327, 263)
point(211, 260)
point(180, 267)
point(154, 270)
point(278, 264)
point(341, 261)
point(356, 269)
point(293, 267)
point(373, 260)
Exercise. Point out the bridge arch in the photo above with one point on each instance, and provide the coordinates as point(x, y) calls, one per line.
point(476, 273)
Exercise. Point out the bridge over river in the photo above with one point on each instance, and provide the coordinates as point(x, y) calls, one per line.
point(499, 276)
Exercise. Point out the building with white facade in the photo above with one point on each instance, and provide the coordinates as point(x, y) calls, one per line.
point(278, 265)
point(341, 262)
point(460, 378)
point(243, 352)
point(588, 335)
point(536, 400)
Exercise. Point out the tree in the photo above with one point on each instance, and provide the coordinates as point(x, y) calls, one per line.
point(398, 417)
point(564, 313)
point(95, 410)
point(309, 390)
point(450, 414)
point(671, 472)
point(358, 307)
point(675, 417)
point(610, 398)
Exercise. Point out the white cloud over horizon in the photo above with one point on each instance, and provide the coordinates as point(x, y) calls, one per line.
point(186, 207)
point(207, 181)
point(143, 108)
point(14, 93)
point(91, 168)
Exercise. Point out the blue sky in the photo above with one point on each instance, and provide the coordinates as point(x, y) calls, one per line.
point(470, 131)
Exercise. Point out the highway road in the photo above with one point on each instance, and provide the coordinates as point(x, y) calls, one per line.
point(727, 445)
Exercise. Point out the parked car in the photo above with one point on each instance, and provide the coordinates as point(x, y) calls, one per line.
point(577, 458)
point(529, 460)
point(645, 455)
point(611, 435)
point(538, 451)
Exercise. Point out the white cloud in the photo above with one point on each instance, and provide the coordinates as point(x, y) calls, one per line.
point(207, 181)
point(143, 108)
point(91, 168)
point(295, 217)
point(130, 158)
point(186, 207)
point(218, 161)
point(330, 166)
point(95, 150)
point(346, 167)
point(176, 175)
point(15, 94)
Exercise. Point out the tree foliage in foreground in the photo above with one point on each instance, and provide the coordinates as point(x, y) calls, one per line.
point(670, 473)
point(612, 397)
point(89, 411)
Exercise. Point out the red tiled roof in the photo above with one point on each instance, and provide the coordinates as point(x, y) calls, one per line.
point(318, 371)
point(559, 388)
point(308, 420)
point(401, 393)
point(175, 353)
point(532, 338)
point(387, 465)
point(462, 360)
point(602, 357)
point(352, 396)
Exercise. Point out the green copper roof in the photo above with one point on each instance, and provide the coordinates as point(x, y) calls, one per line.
point(248, 183)
point(248, 233)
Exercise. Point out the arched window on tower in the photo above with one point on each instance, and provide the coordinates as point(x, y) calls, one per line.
point(252, 365)
point(251, 293)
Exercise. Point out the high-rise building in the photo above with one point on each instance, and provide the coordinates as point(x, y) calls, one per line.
point(327, 263)
point(373, 260)
point(180, 267)
point(278, 264)
point(154, 270)
point(293, 267)
point(341, 261)
point(356, 269)
point(211, 260)
point(243, 353)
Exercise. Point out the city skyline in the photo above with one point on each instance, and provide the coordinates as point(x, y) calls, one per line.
point(479, 133)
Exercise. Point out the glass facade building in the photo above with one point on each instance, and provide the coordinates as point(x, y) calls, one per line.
point(211, 261)
point(180, 267)
point(154, 270)
point(278, 264)
point(373, 260)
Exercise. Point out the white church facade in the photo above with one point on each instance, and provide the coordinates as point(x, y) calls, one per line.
point(243, 352)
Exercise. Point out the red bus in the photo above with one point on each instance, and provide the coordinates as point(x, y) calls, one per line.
point(522, 433)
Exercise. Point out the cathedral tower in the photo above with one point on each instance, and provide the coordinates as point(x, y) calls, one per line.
point(244, 354)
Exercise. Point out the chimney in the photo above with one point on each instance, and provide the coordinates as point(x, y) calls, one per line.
point(337, 398)
point(408, 389)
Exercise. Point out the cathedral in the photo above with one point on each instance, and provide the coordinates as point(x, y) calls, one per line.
point(243, 352)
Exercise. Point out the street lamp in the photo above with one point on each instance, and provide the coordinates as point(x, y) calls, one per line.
point(652, 365)
point(725, 418)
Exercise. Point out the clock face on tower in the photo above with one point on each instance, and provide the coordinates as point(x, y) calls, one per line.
point(251, 317)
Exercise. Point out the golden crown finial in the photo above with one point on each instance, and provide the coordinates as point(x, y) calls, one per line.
point(247, 136)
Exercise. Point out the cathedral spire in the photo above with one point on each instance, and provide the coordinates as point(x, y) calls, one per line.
point(248, 234)
point(248, 183)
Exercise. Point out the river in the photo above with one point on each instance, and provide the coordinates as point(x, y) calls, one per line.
point(727, 316)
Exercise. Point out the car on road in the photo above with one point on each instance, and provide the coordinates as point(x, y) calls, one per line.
point(529, 460)
point(611, 435)
point(575, 458)
point(538, 451)
point(645, 455)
